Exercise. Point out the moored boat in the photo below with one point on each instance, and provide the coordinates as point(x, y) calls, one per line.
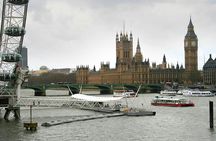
point(168, 92)
point(213, 91)
point(124, 93)
point(171, 101)
point(198, 93)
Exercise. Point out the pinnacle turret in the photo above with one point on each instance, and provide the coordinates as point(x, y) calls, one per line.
point(190, 32)
point(190, 25)
point(138, 55)
point(131, 36)
point(138, 46)
point(117, 37)
point(164, 59)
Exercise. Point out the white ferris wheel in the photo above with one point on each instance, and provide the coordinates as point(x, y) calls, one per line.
point(13, 21)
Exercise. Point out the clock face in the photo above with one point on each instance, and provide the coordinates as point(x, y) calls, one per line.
point(193, 43)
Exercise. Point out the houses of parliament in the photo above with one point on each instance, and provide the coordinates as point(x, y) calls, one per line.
point(131, 69)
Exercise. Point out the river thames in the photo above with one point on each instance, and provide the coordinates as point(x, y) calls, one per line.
point(169, 124)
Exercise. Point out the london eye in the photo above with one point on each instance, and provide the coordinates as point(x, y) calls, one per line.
point(13, 22)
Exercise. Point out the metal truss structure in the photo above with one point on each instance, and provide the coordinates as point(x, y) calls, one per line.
point(14, 13)
point(72, 103)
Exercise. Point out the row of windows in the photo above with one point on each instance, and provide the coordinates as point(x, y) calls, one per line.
point(126, 54)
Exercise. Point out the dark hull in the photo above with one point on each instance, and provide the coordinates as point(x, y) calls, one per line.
point(105, 110)
point(140, 113)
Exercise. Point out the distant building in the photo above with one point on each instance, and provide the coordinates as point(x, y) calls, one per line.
point(134, 69)
point(191, 74)
point(62, 70)
point(44, 68)
point(24, 61)
point(209, 71)
point(38, 72)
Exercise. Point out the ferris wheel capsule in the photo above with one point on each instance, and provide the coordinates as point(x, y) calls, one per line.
point(7, 76)
point(11, 57)
point(18, 2)
point(14, 31)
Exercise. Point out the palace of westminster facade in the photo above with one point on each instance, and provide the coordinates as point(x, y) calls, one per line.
point(133, 69)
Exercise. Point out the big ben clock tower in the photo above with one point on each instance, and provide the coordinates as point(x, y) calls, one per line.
point(190, 48)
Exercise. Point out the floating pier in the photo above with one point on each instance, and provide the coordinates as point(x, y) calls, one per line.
point(58, 122)
point(101, 110)
point(76, 119)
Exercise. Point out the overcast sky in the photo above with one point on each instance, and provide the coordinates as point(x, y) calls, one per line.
point(69, 33)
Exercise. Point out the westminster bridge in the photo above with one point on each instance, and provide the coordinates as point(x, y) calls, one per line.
point(40, 89)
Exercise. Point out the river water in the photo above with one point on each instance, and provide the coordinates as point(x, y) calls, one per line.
point(169, 124)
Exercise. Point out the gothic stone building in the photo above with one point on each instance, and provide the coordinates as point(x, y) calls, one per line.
point(209, 71)
point(131, 69)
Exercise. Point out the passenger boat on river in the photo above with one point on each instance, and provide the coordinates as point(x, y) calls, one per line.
point(198, 93)
point(171, 101)
point(124, 93)
point(168, 93)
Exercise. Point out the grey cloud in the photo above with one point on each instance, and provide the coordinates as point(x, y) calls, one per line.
point(82, 32)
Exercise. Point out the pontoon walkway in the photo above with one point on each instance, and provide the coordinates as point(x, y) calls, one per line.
point(58, 122)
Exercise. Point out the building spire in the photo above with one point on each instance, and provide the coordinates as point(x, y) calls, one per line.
point(190, 26)
point(138, 55)
point(190, 31)
point(164, 59)
point(117, 37)
point(138, 45)
point(131, 36)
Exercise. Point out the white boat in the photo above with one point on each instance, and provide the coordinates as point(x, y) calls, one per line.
point(197, 93)
point(168, 92)
point(181, 91)
point(124, 93)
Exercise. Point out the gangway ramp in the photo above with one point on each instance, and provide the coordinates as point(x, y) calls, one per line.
point(107, 107)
